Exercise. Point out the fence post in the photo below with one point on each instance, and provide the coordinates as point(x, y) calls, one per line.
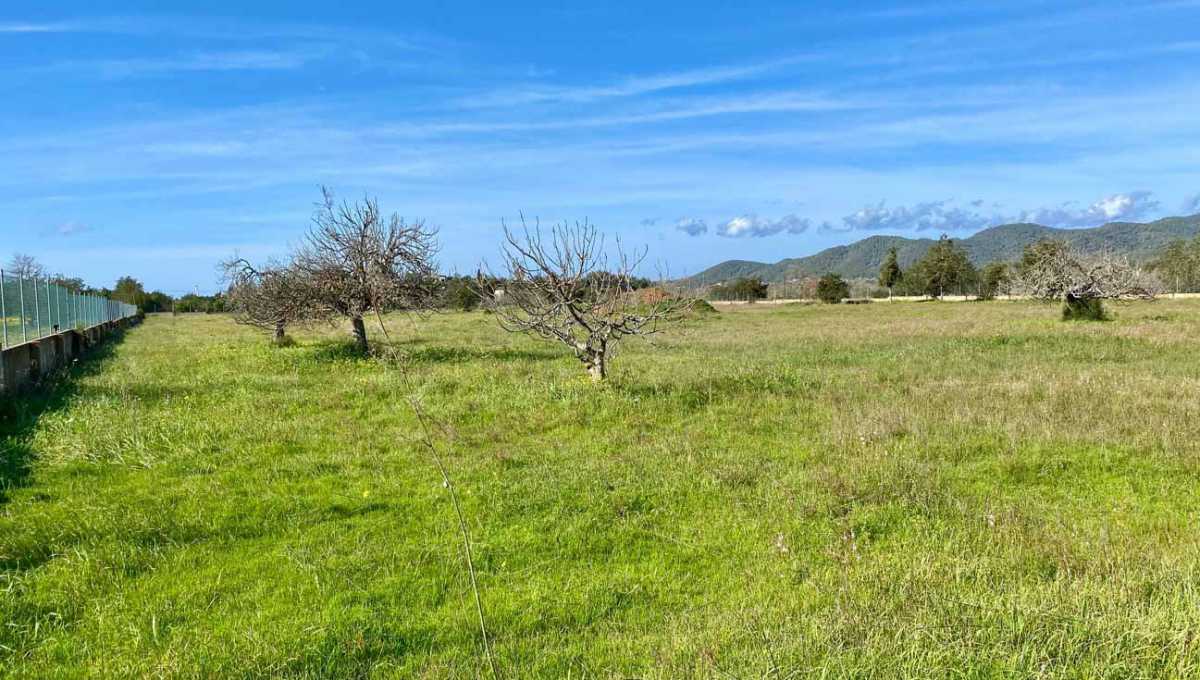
point(37, 310)
point(3, 311)
point(24, 326)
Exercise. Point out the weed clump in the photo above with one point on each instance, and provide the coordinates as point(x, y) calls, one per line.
point(1084, 309)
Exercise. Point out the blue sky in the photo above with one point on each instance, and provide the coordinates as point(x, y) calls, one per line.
point(155, 138)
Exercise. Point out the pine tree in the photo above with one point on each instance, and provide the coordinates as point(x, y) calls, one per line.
point(945, 267)
point(889, 272)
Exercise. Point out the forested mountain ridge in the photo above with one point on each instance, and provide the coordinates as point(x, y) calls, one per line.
point(1140, 241)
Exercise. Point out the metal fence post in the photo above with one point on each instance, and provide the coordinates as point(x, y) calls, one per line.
point(24, 326)
point(49, 309)
point(37, 311)
point(3, 310)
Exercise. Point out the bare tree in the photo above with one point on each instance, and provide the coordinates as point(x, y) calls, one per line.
point(271, 298)
point(1050, 271)
point(356, 262)
point(563, 289)
point(25, 266)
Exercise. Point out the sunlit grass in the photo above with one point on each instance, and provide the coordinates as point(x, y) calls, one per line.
point(897, 489)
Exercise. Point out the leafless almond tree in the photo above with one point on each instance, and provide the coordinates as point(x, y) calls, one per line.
point(562, 288)
point(25, 266)
point(273, 297)
point(1050, 271)
point(356, 262)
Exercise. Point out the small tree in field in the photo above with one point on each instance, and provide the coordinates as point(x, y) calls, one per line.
point(944, 269)
point(889, 272)
point(1050, 271)
point(832, 289)
point(563, 288)
point(355, 261)
point(271, 298)
point(994, 279)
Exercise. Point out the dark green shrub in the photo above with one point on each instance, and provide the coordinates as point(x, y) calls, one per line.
point(832, 289)
point(1084, 309)
point(461, 295)
point(739, 289)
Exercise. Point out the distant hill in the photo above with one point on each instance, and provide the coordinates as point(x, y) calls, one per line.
point(1005, 242)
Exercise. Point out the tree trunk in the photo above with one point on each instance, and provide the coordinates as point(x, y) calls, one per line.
point(597, 369)
point(360, 334)
point(280, 333)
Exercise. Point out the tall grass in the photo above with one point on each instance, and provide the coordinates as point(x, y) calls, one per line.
point(904, 490)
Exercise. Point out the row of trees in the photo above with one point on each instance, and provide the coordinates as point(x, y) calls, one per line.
point(355, 262)
point(1047, 270)
point(127, 289)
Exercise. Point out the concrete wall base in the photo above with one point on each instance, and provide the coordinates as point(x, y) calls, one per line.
point(25, 364)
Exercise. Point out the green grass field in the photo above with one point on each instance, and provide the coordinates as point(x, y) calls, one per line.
point(887, 490)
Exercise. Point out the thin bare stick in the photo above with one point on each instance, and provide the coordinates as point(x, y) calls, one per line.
point(427, 439)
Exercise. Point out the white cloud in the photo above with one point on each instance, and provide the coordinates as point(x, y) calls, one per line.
point(946, 216)
point(691, 226)
point(1134, 205)
point(756, 227)
point(929, 216)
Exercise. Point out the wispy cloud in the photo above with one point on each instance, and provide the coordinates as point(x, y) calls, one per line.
point(235, 60)
point(58, 27)
point(67, 229)
point(71, 228)
point(630, 86)
point(1192, 204)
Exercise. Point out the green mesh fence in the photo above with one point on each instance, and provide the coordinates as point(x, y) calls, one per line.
point(32, 308)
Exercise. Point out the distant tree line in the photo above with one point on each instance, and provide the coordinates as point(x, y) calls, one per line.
point(1179, 266)
point(1047, 269)
point(127, 289)
point(742, 289)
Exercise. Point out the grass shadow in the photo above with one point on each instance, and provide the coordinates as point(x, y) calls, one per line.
point(458, 355)
point(699, 394)
point(435, 354)
point(336, 351)
point(21, 411)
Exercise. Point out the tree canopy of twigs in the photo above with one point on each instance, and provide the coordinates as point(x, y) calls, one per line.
point(272, 298)
point(356, 261)
point(25, 266)
point(562, 287)
point(1049, 270)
